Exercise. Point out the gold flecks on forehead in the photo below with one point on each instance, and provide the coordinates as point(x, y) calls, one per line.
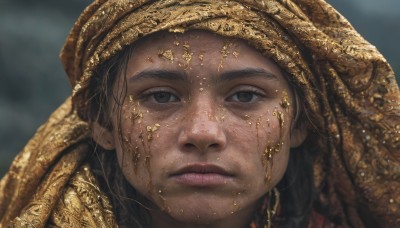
point(225, 51)
point(187, 55)
point(235, 53)
point(201, 57)
point(166, 54)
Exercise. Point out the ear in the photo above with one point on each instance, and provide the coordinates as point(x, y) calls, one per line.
point(102, 136)
point(298, 135)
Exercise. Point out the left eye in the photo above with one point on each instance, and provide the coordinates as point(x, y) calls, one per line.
point(244, 97)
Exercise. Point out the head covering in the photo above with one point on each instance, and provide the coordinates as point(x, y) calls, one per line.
point(348, 87)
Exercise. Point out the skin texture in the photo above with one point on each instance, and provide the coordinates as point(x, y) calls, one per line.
point(200, 100)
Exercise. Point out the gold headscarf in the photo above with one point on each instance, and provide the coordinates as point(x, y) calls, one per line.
point(348, 87)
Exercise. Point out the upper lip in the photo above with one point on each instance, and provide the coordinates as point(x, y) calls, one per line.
point(202, 169)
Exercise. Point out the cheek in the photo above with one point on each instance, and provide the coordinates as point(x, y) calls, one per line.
point(263, 141)
point(133, 147)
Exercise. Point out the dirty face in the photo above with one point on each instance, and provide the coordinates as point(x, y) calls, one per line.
point(205, 129)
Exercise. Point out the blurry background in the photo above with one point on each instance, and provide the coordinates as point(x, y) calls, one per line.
point(33, 83)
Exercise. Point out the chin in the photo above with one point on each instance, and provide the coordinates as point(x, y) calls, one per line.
point(202, 210)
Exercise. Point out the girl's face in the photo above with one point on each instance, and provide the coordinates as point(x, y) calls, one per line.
point(205, 129)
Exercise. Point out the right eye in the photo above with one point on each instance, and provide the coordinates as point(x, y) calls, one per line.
point(164, 97)
point(159, 96)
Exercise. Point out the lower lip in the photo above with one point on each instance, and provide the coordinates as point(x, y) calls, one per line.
point(202, 179)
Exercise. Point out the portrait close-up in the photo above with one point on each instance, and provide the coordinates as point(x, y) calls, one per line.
point(200, 114)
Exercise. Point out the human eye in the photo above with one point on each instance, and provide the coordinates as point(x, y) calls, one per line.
point(246, 95)
point(159, 96)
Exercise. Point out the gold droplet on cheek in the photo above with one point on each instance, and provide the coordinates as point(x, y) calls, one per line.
point(272, 149)
point(141, 152)
point(136, 113)
point(285, 103)
point(151, 130)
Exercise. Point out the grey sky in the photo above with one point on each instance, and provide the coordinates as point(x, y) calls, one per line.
point(391, 7)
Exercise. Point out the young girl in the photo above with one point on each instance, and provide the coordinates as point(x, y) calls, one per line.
point(214, 114)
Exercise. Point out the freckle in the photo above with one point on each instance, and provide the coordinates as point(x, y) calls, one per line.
point(149, 59)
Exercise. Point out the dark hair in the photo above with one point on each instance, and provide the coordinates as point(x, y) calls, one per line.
point(296, 188)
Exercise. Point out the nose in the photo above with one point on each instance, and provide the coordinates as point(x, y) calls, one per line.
point(201, 131)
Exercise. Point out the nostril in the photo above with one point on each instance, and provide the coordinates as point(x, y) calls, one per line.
point(214, 145)
point(189, 146)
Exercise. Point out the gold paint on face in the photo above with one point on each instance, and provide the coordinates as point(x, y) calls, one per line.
point(285, 101)
point(166, 54)
point(187, 55)
point(194, 100)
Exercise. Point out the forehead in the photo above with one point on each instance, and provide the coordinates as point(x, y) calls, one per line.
point(206, 38)
point(206, 48)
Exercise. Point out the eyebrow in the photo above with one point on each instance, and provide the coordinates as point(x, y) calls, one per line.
point(159, 74)
point(180, 76)
point(236, 74)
